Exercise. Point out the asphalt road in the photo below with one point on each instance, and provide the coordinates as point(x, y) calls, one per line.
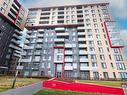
point(25, 90)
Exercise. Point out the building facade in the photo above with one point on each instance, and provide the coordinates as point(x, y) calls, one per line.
point(76, 41)
point(12, 20)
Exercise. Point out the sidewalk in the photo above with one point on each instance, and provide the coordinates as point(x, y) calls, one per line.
point(26, 90)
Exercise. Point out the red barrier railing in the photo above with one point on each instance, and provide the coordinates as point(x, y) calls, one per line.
point(60, 85)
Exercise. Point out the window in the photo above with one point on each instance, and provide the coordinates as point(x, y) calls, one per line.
point(94, 64)
point(60, 51)
point(48, 65)
point(60, 21)
point(92, 49)
point(108, 49)
point(61, 8)
point(79, 16)
point(89, 30)
point(96, 25)
point(5, 5)
point(116, 50)
point(104, 66)
point(87, 20)
point(93, 57)
point(90, 36)
point(110, 57)
point(105, 74)
point(118, 58)
point(60, 13)
point(99, 43)
point(96, 30)
point(91, 42)
point(106, 42)
point(88, 25)
point(94, 20)
point(92, 11)
point(112, 65)
point(96, 75)
point(80, 11)
point(98, 36)
point(59, 57)
point(86, 11)
point(102, 57)
point(123, 75)
point(84, 64)
point(114, 74)
point(36, 58)
point(100, 49)
point(93, 15)
point(120, 66)
point(79, 7)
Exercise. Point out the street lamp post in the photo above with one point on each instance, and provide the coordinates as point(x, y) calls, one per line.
point(17, 69)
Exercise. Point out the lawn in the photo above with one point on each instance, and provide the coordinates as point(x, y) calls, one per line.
point(6, 82)
point(60, 92)
point(105, 83)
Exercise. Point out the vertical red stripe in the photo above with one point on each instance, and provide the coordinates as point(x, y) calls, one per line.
point(109, 37)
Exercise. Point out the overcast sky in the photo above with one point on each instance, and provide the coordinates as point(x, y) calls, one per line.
point(118, 8)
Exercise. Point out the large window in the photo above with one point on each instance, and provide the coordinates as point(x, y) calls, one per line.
point(104, 66)
point(105, 74)
point(120, 66)
point(123, 75)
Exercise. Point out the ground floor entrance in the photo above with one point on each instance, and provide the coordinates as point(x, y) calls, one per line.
point(85, 75)
point(58, 70)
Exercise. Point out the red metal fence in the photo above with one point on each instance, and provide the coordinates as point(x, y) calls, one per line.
point(60, 85)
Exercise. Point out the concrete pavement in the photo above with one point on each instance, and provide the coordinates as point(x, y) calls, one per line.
point(25, 90)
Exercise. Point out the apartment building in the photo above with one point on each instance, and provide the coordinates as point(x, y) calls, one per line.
point(75, 41)
point(12, 20)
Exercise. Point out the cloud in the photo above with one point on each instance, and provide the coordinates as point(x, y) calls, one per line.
point(119, 8)
point(123, 34)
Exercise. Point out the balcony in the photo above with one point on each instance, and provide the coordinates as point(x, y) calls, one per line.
point(16, 55)
point(25, 60)
point(40, 30)
point(68, 60)
point(68, 68)
point(62, 34)
point(40, 35)
point(89, 39)
point(23, 53)
point(68, 45)
point(15, 47)
point(38, 46)
point(83, 52)
point(16, 5)
point(16, 36)
point(81, 39)
point(28, 47)
point(36, 60)
point(39, 41)
point(29, 36)
point(59, 40)
point(68, 52)
point(26, 42)
point(37, 53)
point(84, 68)
point(82, 45)
point(83, 60)
point(18, 32)
point(15, 41)
point(80, 28)
point(81, 33)
point(91, 52)
point(59, 29)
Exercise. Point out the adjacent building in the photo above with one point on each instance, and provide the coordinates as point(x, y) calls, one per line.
point(12, 20)
point(75, 41)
